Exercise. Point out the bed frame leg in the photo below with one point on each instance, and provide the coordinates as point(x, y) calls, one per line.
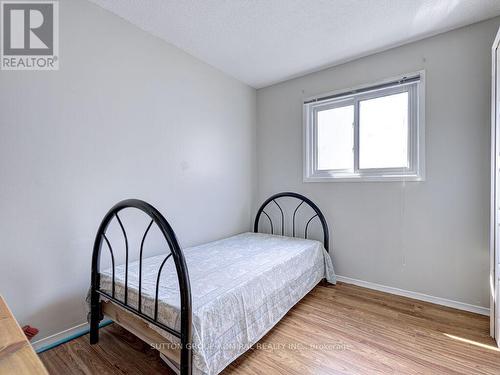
point(95, 317)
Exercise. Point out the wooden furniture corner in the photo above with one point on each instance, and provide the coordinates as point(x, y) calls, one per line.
point(16, 353)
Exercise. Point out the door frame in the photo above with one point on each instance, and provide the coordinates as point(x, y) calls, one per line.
point(494, 212)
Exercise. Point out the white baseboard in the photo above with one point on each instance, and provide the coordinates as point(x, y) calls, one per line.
point(415, 295)
point(53, 340)
point(64, 336)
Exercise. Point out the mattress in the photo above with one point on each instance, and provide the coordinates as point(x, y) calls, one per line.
point(241, 287)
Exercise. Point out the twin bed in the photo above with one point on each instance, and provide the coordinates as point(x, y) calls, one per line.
point(204, 306)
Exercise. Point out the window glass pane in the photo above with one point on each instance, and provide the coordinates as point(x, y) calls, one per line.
point(336, 138)
point(383, 132)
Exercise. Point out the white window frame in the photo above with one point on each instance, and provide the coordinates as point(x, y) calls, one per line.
point(352, 96)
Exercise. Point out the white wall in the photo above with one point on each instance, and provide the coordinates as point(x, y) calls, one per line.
point(429, 237)
point(127, 115)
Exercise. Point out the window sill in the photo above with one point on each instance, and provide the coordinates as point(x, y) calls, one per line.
point(359, 178)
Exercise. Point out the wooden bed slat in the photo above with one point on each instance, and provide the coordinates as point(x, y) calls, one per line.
point(141, 329)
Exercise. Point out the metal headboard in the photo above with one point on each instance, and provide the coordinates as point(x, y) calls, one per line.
point(182, 274)
point(274, 200)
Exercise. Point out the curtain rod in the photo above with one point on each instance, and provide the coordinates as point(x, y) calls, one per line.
point(401, 81)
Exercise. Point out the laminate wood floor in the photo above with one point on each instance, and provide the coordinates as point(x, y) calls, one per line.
point(342, 329)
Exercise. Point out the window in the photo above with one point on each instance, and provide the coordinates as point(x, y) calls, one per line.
point(373, 133)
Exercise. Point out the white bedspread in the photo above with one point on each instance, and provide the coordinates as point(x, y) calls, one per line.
point(241, 287)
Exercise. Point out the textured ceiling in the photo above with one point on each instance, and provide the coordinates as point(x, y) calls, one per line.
point(261, 42)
